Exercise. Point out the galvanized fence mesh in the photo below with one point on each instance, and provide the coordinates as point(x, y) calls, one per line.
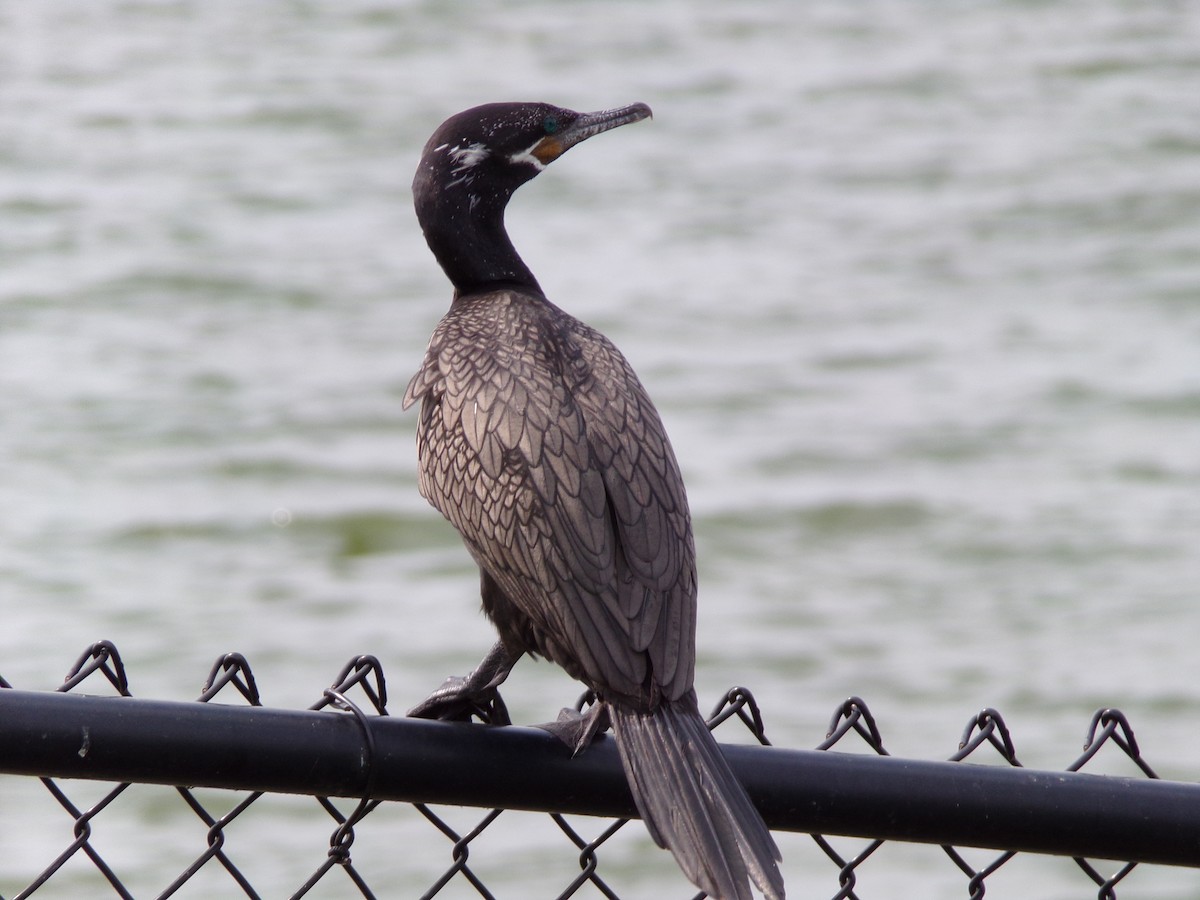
point(118, 744)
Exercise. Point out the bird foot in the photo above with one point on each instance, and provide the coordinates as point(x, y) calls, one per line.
point(476, 695)
point(576, 729)
point(458, 701)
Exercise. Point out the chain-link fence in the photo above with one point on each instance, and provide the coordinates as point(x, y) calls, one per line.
point(346, 746)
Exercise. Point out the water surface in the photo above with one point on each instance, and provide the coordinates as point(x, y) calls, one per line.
point(914, 285)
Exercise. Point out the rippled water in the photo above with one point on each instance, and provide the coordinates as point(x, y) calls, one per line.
point(915, 286)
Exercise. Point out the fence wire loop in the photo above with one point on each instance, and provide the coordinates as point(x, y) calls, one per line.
point(102, 657)
point(853, 715)
point(363, 672)
point(1113, 721)
point(987, 726)
point(589, 861)
point(1108, 886)
point(848, 873)
point(738, 701)
point(231, 668)
point(975, 884)
point(1111, 725)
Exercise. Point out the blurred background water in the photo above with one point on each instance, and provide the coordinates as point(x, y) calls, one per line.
point(915, 286)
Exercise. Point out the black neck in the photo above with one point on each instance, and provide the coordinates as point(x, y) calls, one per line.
point(466, 233)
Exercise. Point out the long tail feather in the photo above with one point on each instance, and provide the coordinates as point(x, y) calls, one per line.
point(693, 804)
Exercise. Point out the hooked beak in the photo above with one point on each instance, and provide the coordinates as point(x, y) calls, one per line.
point(587, 125)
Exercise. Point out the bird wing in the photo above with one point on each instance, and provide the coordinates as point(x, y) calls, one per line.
point(541, 447)
point(649, 509)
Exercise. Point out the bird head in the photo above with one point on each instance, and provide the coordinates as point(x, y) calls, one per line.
point(469, 170)
point(495, 148)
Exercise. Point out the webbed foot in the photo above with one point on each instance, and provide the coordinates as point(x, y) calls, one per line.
point(576, 729)
point(476, 695)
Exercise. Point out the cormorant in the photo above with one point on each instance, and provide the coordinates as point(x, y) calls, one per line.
point(539, 444)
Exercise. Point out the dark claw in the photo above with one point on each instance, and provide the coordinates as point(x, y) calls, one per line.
point(456, 701)
point(577, 730)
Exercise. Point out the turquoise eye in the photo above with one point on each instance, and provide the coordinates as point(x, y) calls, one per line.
point(550, 124)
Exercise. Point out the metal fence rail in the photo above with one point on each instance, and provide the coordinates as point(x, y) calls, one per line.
point(351, 748)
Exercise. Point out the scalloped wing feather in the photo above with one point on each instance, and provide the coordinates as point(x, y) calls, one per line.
point(540, 445)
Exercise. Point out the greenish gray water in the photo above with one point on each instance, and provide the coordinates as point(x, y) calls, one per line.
point(915, 286)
